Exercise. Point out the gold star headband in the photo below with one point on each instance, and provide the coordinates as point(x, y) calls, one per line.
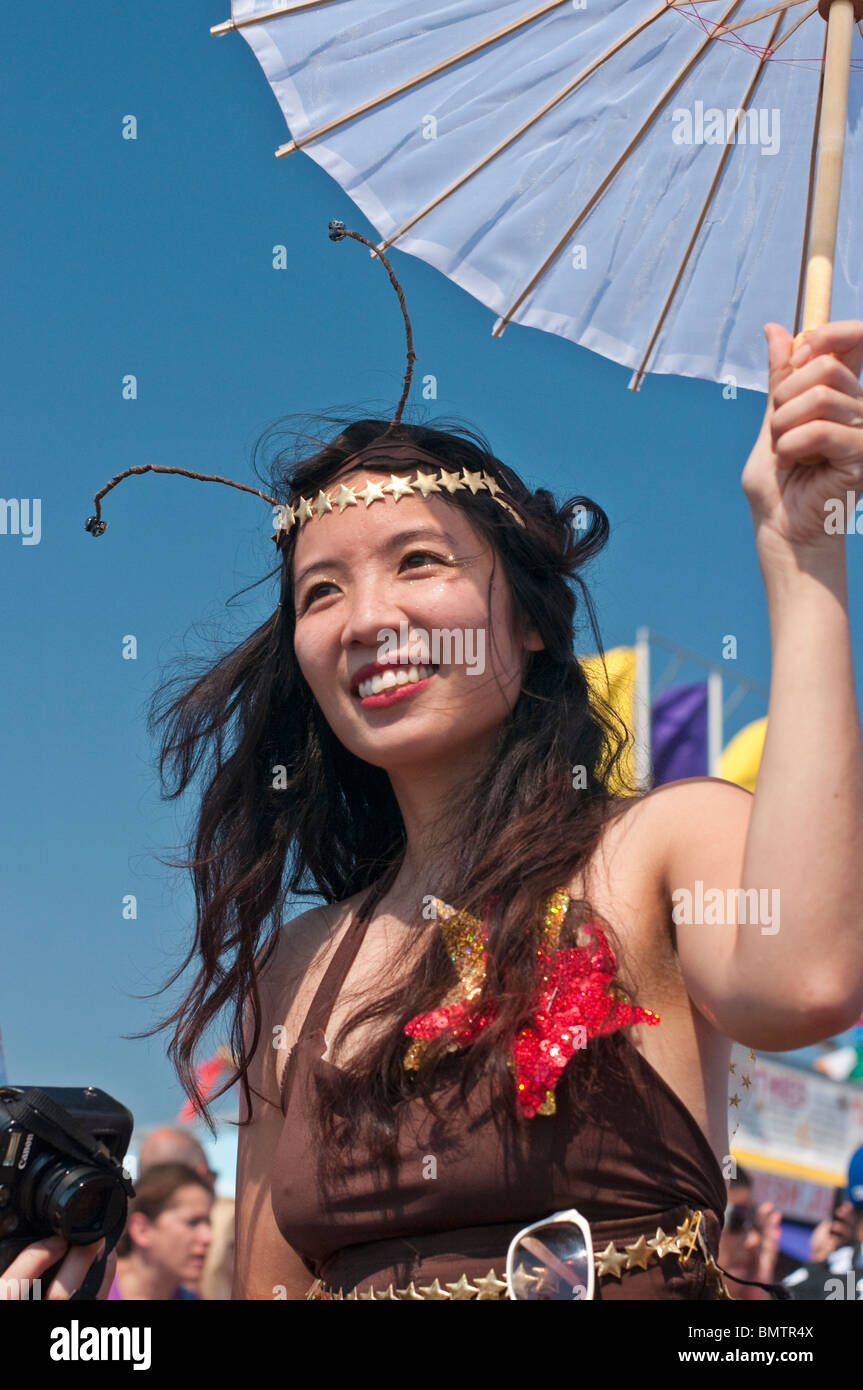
point(424, 484)
point(303, 509)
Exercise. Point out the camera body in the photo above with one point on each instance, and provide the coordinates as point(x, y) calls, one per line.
point(61, 1173)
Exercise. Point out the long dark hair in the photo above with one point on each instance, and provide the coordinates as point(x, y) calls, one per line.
point(523, 827)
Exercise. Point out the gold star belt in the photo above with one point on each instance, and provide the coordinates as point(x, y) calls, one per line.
point(612, 1261)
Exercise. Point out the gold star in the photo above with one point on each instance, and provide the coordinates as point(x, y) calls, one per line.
point(473, 480)
point(663, 1244)
point(492, 486)
point(426, 483)
point(747, 1080)
point(353, 1296)
point(370, 1295)
point(434, 1291)
point(609, 1261)
point(714, 1274)
point(322, 504)
point(372, 492)
point(389, 1293)
point(637, 1254)
point(451, 481)
point(410, 1293)
point(304, 511)
point(522, 1282)
point(344, 498)
point(462, 1289)
point(490, 1286)
point(732, 1066)
point(734, 1100)
point(688, 1235)
point(398, 487)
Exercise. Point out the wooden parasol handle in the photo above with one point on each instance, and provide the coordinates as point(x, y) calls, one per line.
point(840, 16)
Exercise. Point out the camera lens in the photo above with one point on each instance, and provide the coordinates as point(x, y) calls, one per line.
point(81, 1203)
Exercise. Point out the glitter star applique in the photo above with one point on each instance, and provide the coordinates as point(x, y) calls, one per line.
point(576, 1000)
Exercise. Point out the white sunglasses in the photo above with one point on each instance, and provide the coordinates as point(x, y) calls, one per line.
point(552, 1259)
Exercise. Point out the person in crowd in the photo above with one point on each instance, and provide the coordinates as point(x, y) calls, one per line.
point(835, 1266)
point(168, 1144)
point(749, 1243)
point(162, 1250)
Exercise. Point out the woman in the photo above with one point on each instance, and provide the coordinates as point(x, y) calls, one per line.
point(162, 1250)
point(484, 882)
point(487, 792)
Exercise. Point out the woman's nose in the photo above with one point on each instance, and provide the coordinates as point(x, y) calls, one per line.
point(372, 612)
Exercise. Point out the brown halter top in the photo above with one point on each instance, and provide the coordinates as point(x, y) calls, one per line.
point(630, 1157)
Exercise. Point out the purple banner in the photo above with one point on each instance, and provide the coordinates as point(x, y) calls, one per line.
point(678, 728)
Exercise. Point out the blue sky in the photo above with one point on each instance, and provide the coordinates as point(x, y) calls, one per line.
point(154, 257)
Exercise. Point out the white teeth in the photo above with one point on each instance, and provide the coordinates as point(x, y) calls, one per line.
point(389, 680)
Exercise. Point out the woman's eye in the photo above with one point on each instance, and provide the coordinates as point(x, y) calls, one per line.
point(427, 555)
point(314, 592)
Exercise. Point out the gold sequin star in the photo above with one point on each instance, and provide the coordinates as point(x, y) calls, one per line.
point(462, 1289)
point(473, 480)
point(747, 1080)
point(732, 1066)
point(372, 492)
point(304, 511)
point(426, 483)
point(322, 504)
point(490, 1286)
point(610, 1261)
point(410, 1294)
point(435, 1291)
point(345, 498)
point(734, 1100)
point(687, 1234)
point(451, 481)
point(492, 486)
point(663, 1244)
point(637, 1255)
point(398, 487)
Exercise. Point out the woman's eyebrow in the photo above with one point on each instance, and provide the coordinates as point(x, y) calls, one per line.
point(393, 543)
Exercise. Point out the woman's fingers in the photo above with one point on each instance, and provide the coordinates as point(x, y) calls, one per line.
point(819, 371)
point(820, 402)
point(32, 1262)
point(844, 337)
point(73, 1271)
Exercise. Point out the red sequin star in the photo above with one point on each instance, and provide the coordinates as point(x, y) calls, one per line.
point(575, 1001)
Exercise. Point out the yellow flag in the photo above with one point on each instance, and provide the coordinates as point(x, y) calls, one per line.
point(742, 756)
point(615, 683)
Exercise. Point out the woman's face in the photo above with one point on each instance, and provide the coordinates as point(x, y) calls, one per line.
point(405, 584)
point(179, 1237)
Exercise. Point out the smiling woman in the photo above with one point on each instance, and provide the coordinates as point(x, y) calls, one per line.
point(477, 961)
point(488, 1087)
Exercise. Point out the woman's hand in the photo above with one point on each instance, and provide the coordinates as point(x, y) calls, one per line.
point(34, 1261)
point(814, 410)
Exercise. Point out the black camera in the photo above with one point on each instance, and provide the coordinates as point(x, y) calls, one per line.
point(61, 1171)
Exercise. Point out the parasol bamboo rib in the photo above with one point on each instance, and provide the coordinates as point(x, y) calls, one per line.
point(754, 18)
point(230, 25)
point(810, 194)
point(609, 177)
point(794, 27)
point(726, 150)
point(526, 125)
point(409, 83)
